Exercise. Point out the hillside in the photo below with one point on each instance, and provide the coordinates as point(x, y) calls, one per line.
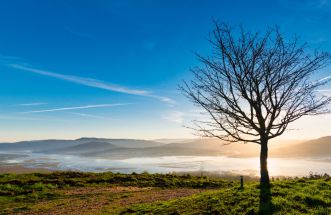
point(320, 147)
point(158, 151)
point(124, 148)
point(212, 147)
point(38, 145)
point(125, 143)
point(88, 147)
point(50, 146)
point(109, 193)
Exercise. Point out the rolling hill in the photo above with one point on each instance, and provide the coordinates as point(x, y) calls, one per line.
point(92, 146)
point(62, 145)
point(320, 147)
point(124, 148)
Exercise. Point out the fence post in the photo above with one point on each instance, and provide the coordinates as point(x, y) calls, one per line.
point(241, 182)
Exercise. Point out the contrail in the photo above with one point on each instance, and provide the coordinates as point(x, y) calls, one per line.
point(94, 83)
point(76, 108)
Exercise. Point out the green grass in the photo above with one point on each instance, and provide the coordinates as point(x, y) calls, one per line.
point(20, 191)
point(16, 184)
point(25, 192)
point(301, 196)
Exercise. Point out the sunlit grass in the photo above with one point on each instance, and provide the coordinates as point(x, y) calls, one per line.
point(110, 193)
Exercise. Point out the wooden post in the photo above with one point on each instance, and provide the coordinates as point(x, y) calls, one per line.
point(241, 182)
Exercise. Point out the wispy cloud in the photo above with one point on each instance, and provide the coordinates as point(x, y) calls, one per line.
point(5, 59)
point(19, 118)
point(82, 80)
point(174, 116)
point(324, 79)
point(93, 83)
point(180, 117)
point(91, 116)
point(164, 99)
point(76, 108)
point(325, 90)
point(16, 118)
point(33, 104)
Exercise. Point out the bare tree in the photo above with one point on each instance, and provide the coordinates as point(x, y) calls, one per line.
point(253, 86)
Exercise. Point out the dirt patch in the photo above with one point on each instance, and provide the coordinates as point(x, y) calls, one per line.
point(101, 190)
point(91, 200)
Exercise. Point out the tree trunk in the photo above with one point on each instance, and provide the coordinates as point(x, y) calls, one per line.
point(263, 163)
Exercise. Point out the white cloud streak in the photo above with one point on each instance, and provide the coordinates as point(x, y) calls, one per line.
point(31, 119)
point(324, 90)
point(33, 104)
point(76, 108)
point(180, 117)
point(324, 79)
point(164, 99)
point(91, 116)
point(175, 117)
point(83, 81)
point(93, 83)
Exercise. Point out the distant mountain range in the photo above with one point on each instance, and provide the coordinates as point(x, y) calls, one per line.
point(124, 148)
point(320, 147)
point(49, 145)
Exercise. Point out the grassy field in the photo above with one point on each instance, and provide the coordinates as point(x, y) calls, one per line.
point(110, 193)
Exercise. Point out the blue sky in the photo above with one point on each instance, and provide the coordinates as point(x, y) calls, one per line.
point(111, 68)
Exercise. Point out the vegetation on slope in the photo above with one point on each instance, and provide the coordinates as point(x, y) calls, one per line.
point(302, 196)
point(110, 193)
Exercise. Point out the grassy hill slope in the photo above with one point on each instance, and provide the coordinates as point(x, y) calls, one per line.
point(109, 193)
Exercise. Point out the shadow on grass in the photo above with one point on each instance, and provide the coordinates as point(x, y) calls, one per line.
point(265, 206)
